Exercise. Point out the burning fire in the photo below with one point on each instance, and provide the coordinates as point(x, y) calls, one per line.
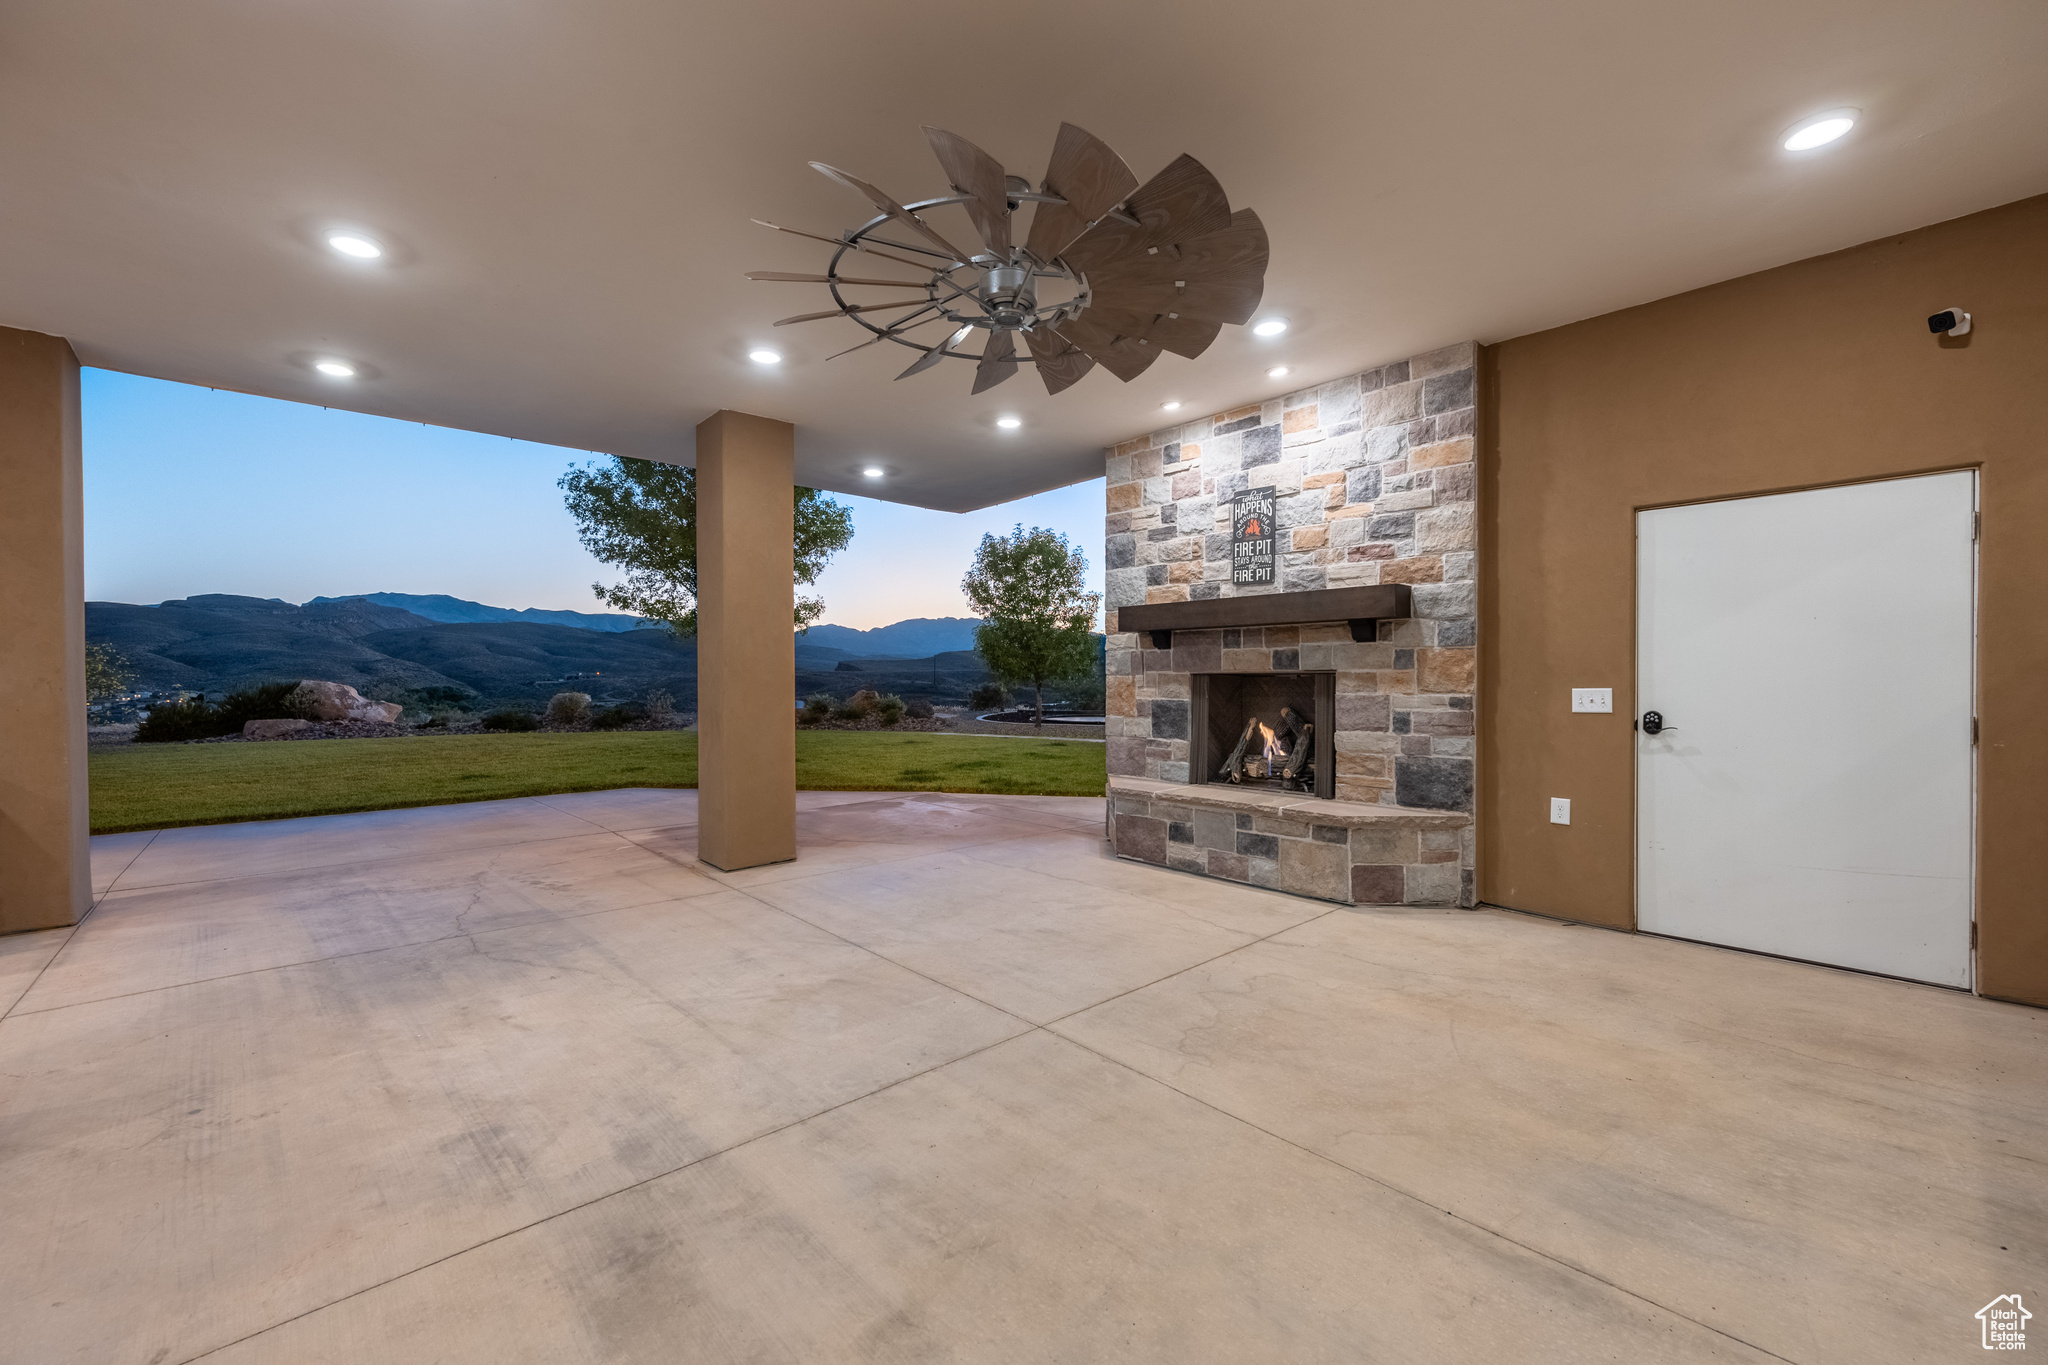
point(1264, 752)
point(1272, 756)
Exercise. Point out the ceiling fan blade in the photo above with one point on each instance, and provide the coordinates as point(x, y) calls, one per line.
point(998, 361)
point(1180, 202)
point(835, 241)
point(973, 171)
point(1060, 362)
point(1202, 301)
point(1091, 177)
point(1125, 357)
point(892, 208)
point(1184, 336)
point(856, 308)
point(894, 332)
point(1217, 278)
point(1239, 248)
point(788, 278)
point(935, 354)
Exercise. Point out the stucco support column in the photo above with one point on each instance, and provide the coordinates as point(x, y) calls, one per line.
point(746, 641)
point(45, 878)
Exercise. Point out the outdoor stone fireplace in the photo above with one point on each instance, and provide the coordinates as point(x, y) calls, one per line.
point(1297, 579)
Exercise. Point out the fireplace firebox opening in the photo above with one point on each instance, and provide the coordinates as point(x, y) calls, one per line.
point(1273, 731)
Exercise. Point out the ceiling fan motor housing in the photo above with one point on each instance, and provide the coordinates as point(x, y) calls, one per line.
point(1011, 294)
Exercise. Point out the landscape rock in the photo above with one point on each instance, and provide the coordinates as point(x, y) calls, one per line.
point(332, 701)
point(327, 700)
point(274, 729)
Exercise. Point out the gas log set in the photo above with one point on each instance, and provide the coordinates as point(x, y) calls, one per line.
point(1283, 757)
point(1270, 730)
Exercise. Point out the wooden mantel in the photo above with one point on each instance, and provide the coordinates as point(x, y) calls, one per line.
point(1363, 608)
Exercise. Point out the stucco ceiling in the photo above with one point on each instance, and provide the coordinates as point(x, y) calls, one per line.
point(568, 186)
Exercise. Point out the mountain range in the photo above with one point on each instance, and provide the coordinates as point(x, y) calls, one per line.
point(912, 639)
point(920, 637)
point(218, 642)
point(448, 610)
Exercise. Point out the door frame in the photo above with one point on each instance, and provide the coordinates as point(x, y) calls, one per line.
point(1975, 469)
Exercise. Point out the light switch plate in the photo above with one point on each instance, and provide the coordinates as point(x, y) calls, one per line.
point(1592, 699)
point(1560, 810)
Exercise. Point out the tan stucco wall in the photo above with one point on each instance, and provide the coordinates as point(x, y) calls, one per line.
point(44, 878)
point(1818, 372)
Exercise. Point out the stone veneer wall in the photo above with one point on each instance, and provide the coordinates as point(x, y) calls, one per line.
point(1376, 484)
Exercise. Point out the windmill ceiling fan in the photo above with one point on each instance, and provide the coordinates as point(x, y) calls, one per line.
point(1110, 273)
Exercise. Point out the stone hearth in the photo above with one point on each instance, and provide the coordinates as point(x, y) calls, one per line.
point(1343, 851)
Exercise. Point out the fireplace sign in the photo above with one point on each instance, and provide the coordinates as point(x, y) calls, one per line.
point(1251, 536)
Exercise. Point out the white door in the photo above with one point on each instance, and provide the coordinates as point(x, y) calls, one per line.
point(1812, 655)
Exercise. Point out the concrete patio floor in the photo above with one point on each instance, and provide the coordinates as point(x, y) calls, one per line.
point(522, 1081)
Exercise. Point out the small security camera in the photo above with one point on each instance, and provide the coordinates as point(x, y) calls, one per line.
point(1954, 321)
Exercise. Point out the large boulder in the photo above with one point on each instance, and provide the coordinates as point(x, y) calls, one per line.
point(274, 729)
point(327, 701)
point(332, 701)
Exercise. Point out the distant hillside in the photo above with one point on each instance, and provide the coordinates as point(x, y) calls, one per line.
point(219, 642)
point(520, 659)
point(914, 639)
point(441, 607)
point(941, 677)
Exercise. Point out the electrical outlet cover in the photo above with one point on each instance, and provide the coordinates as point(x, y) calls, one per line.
point(1592, 699)
point(1560, 810)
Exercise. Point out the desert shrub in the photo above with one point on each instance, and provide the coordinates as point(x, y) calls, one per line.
point(170, 721)
point(988, 696)
point(860, 705)
point(511, 720)
point(660, 706)
point(817, 707)
point(889, 709)
point(917, 708)
point(271, 701)
point(197, 718)
point(566, 708)
point(617, 717)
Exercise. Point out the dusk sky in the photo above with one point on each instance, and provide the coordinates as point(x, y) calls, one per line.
point(190, 490)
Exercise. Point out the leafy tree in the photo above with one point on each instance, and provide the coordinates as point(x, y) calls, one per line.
point(1036, 619)
point(642, 516)
point(107, 673)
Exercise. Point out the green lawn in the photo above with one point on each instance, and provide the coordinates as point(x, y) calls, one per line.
point(154, 786)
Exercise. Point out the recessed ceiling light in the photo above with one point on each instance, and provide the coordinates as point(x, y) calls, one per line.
point(335, 369)
point(1009, 423)
point(1171, 405)
point(1276, 372)
point(355, 244)
point(873, 472)
point(765, 357)
point(1271, 327)
point(1818, 132)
